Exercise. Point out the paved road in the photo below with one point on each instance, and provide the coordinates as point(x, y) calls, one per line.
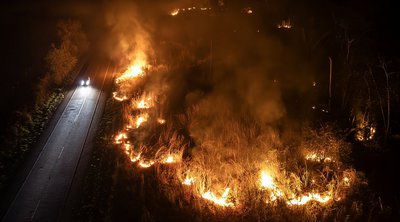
point(45, 193)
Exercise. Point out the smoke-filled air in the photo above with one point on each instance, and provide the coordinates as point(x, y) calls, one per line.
point(205, 107)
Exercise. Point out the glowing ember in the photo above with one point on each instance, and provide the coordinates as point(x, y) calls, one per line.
point(120, 137)
point(365, 133)
point(222, 201)
point(146, 164)
point(175, 12)
point(310, 197)
point(285, 24)
point(132, 72)
point(188, 181)
point(318, 157)
point(248, 10)
point(119, 98)
point(160, 120)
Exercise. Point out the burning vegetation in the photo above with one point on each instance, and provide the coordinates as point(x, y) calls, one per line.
point(209, 113)
point(215, 158)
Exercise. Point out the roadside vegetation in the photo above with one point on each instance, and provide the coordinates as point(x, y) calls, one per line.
point(63, 62)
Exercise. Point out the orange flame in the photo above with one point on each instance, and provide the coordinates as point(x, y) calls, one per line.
point(146, 164)
point(222, 201)
point(119, 98)
point(141, 119)
point(310, 197)
point(133, 71)
point(160, 120)
point(120, 137)
point(267, 181)
point(188, 181)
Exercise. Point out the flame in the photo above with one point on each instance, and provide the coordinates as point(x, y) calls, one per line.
point(133, 71)
point(169, 159)
point(267, 181)
point(285, 24)
point(121, 136)
point(222, 201)
point(188, 181)
point(310, 197)
point(141, 119)
point(127, 148)
point(160, 120)
point(175, 12)
point(135, 158)
point(143, 103)
point(119, 98)
point(318, 157)
point(146, 164)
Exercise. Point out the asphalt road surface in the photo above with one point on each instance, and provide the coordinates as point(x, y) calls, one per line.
point(51, 184)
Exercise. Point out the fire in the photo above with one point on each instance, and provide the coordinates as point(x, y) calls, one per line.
point(188, 181)
point(141, 119)
point(135, 158)
point(120, 137)
point(211, 166)
point(119, 98)
point(127, 148)
point(175, 12)
point(133, 71)
point(318, 157)
point(310, 197)
point(267, 181)
point(285, 24)
point(222, 201)
point(160, 120)
point(247, 10)
point(169, 159)
point(146, 164)
point(365, 133)
point(143, 103)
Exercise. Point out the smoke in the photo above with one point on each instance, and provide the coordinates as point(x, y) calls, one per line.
point(210, 87)
point(223, 62)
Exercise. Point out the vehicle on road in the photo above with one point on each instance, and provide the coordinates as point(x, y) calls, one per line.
point(85, 81)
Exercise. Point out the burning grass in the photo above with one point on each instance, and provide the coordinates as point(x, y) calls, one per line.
point(228, 164)
point(224, 161)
